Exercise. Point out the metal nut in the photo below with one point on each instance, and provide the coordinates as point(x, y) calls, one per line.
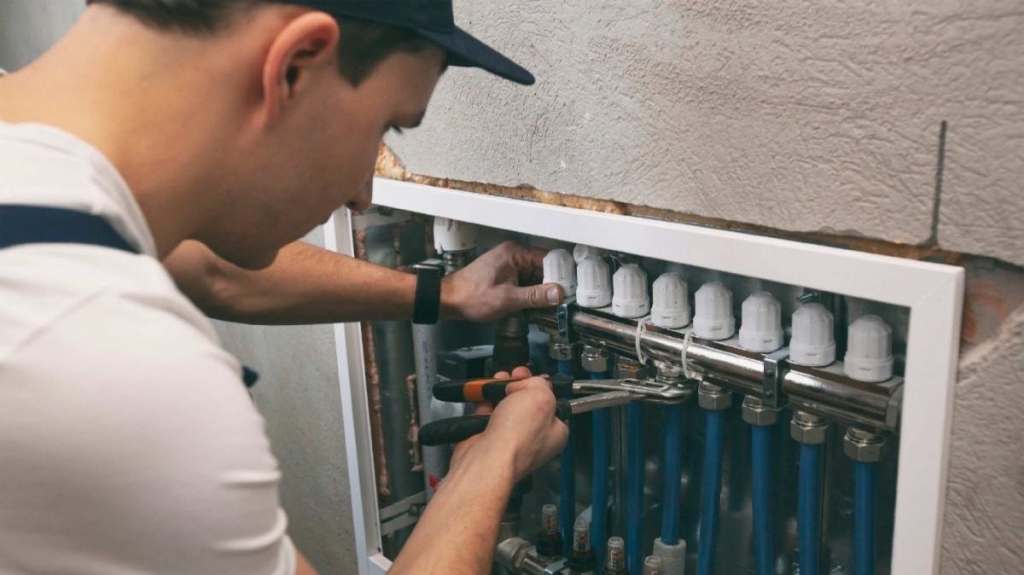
point(755, 413)
point(863, 446)
point(631, 369)
point(807, 428)
point(560, 351)
point(713, 397)
point(594, 360)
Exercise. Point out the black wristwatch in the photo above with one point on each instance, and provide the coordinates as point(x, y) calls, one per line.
point(426, 308)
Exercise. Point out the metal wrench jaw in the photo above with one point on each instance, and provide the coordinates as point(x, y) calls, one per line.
point(646, 390)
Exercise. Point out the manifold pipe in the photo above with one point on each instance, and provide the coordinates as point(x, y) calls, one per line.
point(821, 392)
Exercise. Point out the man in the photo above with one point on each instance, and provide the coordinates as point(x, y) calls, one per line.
point(212, 133)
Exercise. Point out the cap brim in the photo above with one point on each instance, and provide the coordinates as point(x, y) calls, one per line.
point(465, 50)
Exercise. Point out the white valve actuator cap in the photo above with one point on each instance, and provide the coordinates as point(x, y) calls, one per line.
point(560, 268)
point(594, 283)
point(713, 317)
point(671, 307)
point(869, 350)
point(629, 293)
point(582, 252)
point(813, 342)
point(761, 327)
point(454, 236)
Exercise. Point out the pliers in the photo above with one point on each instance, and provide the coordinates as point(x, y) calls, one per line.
point(596, 394)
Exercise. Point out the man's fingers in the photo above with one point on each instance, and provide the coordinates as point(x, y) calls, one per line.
point(484, 408)
point(545, 295)
point(521, 373)
point(526, 384)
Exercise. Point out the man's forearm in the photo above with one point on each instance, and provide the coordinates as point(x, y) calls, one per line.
point(305, 285)
point(457, 533)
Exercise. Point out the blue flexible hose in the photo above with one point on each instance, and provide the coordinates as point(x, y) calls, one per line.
point(599, 498)
point(864, 518)
point(567, 476)
point(711, 492)
point(809, 509)
point(634, 486)
point(673, 474)
point(764, 554)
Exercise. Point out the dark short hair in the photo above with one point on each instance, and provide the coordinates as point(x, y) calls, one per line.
point(362, 45)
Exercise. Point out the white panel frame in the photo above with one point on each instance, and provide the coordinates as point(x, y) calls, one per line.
point(933, 292)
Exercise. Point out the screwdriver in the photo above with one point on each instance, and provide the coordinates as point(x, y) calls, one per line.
point(456, 429)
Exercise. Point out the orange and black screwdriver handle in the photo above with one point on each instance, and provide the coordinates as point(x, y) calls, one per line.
point(457, 429)
point(492, 390)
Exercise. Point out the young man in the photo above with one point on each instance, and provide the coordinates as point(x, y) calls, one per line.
point(212, 134)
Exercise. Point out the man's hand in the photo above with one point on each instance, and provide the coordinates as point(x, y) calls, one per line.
point(523, 424)
point(490, 287)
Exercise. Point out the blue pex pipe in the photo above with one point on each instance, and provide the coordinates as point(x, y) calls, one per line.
point(599, 498)
point(567, 476)
point(809, 509)
point(711, 492)
point(673, 467)
point(764, 554)
point(634, 486)
point(864, 518)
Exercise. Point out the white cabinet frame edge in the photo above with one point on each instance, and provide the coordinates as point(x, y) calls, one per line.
point(933, 292)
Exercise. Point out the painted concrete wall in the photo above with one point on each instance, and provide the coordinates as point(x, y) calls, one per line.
point(27, 27)
point(800, 116)
point(807, 116)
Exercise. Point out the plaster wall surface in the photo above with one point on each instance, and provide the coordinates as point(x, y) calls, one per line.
point(804, 116)
point(985, 501)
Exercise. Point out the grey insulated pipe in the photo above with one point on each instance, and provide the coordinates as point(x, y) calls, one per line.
point(426, 341)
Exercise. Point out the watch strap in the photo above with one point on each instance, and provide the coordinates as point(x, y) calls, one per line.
point(426, 308)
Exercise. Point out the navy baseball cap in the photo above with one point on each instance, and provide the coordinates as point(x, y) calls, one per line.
point(433, 20)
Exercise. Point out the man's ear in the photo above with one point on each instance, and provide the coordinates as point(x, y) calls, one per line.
point(305, 46)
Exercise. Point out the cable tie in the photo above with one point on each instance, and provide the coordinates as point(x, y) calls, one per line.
point(641, 329)
point(687, 372)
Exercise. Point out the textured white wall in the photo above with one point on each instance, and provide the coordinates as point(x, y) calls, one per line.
point(820, 116)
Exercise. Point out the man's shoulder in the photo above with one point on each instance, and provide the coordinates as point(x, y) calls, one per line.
point(62, 288)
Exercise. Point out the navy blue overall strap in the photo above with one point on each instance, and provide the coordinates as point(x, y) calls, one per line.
point(20, 225)
point(44, 225)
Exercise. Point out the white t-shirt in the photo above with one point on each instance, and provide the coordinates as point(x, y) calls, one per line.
point(128, 443)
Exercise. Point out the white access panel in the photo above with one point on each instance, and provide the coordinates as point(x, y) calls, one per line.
point(933, 292)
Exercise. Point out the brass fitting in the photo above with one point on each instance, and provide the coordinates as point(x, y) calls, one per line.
point(755, 413)
point(861, 445)
point(807, 428)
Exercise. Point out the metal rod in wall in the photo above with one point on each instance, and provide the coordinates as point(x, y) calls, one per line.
point(825, 392)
